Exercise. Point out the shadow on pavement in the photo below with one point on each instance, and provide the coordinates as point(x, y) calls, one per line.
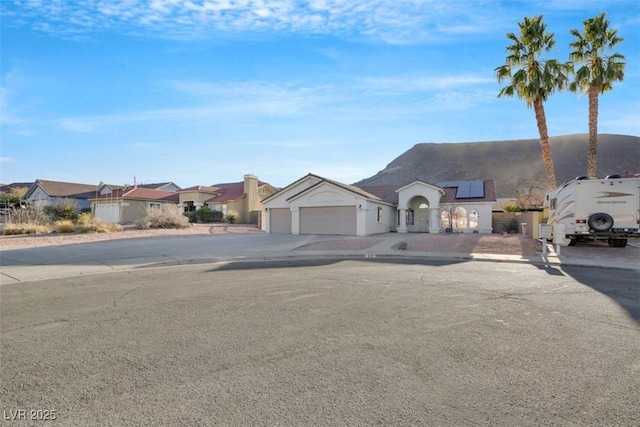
point(621, 286)
point(321, 262)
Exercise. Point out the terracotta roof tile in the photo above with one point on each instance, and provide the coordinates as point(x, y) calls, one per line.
point(229, 192)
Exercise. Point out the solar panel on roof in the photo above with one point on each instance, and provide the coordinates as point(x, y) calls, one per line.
point(463, 190)
point(470, 189)
point(477, 189)
point(448, 184)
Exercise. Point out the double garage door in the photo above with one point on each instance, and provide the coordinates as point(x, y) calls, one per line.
point(328, 220)
point(318, 220)
point(108, 212)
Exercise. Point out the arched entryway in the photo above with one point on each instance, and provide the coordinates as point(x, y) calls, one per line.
point(419, 208)
point(418, 215)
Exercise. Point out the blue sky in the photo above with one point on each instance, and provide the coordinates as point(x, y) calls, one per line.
point(204, 91)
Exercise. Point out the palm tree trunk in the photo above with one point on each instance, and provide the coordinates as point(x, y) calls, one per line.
point(593, 133)
point(544, 142)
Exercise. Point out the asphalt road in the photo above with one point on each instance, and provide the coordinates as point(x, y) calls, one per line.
point(325, 342)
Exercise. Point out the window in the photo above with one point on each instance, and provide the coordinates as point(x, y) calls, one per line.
point(411, 217)
point(189, 206)
point(473, 219)
point(155, 205)
point(379, 213)
point(263, 191)
point(459, 217)
point(445, 218)
point(552, 204)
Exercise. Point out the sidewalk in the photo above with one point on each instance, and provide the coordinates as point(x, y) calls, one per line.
point(33, 264)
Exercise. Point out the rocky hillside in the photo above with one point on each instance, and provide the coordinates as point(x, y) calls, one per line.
point(512, 164)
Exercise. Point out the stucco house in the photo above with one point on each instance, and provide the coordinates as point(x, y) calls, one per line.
point(317, 205)
point(126, 205)
point(241, 199)
point(45, 192)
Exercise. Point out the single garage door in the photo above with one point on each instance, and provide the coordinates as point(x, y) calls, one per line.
point(280, 220)
point(328, 220)
point(108, 212)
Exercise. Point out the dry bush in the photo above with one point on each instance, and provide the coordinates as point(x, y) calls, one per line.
point(26, 228)
point(167, 216)
point(26, 221)
point(86, 224)
point(64, 226)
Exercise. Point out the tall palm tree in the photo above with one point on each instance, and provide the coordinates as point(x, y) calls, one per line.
point(532, 78)
point(596, 73)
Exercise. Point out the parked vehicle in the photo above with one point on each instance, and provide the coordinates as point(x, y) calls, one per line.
point(596, 209)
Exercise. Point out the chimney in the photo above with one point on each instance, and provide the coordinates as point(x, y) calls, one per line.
point(251, 190)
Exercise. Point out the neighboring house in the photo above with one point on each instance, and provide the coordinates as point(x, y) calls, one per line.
point(126, 205)
point(12, 195)
point(44, 192)
point(317, 205)
point(164, 186)
point(242, 199)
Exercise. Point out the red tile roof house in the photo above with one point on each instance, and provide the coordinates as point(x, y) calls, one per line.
point(242, 199)
point(126, 205)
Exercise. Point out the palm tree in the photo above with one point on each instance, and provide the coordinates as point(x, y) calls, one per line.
point(532, 78)
point(596, 73)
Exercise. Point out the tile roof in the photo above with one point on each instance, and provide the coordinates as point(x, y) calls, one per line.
point(65, 189)
point(140, 194)
point(157, 186)
point(351, 188)
point(229, 194)
point(5, 188)
point(489, 194)
point(201, 189)
point(386, 193)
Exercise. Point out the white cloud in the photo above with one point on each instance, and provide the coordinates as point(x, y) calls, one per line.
point(7, 160)
point(398, 21)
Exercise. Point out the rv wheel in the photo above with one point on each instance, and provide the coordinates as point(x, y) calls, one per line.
point(600, 222)
point(573, 242)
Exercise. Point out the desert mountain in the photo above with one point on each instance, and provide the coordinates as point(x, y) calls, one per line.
point(511, 164)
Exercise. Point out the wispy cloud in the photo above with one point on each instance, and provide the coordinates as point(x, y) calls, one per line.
point(7, 160)
point(398, 21)
point(339, 101)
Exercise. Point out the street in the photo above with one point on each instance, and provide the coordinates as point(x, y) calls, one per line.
point(333, 342)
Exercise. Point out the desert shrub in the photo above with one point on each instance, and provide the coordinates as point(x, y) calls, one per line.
point(64, 209)
point(26, 221)
point(84, 218)
point(231, 218)
point(511, 227)
point(511, 208)
point(207, 215)
point(64, 226)
point(26, 228)
point(97, 226)
point(168, 216)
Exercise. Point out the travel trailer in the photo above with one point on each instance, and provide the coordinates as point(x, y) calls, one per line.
point(596, 209)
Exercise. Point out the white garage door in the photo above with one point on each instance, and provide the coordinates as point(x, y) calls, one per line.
point(108, 212)
point(328, 220)
point(280, 220)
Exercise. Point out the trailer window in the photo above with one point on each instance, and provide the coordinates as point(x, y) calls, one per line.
point(552, 204)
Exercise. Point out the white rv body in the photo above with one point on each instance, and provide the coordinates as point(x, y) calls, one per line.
point(596, 209)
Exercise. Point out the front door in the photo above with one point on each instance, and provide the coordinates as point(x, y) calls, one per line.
point(422, 218)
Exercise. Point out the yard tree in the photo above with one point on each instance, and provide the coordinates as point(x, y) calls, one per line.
point(532, 78)
point(596, 73)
